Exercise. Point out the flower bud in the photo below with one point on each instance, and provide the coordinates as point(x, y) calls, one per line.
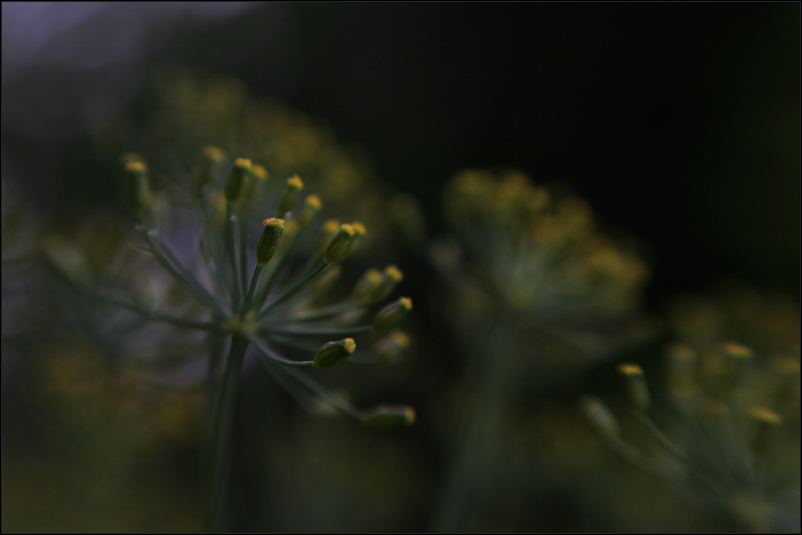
point(328, 231)
point(767, 421)
point(334, 353)
point(367, 284)
point(252, 186)
point(337, 248)
point(389, 316)
point(637, 391)
point(600, 417)
point(359, 233)
point(137, 189)
point(290, 194)
point(236, 177)
point(312, 206)
point(269, 241)
point(390, 347)
point(209, 166)
point(387, 416)
point(375, 286)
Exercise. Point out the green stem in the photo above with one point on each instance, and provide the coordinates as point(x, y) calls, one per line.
point(232, 243)
point(264, 352)
point(312, 277)
point(153, 316)
point(257, 276)
point(329, 311)
point(219, 457)
point(181, 275)
point(345, 331)
point(465, 475)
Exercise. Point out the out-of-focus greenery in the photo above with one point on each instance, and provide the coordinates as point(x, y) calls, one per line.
point(104, 421)
point(732, 445)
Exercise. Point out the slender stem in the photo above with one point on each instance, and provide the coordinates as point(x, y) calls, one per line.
point(243, 247)
point(219, 458)
point(323, 393)
point(316, 388)
point(183, 277)
point(265, 352)
point(329, 311)
point(154, 316)
point(232, 245)
point(257, 276)
point(466, 475)
point(345, 331)
point(316, 274)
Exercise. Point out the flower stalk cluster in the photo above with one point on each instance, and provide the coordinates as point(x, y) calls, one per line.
point(729, 446)
point(251, 294)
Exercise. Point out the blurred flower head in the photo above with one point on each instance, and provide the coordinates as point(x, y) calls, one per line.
point(522, 248)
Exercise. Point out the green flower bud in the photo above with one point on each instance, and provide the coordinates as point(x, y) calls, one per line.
point(389, 316)
point(328, 231)
point(390, 347)
point(601, 418)
point(359, 233)
point(269, 241)
point(388, 416)
point(390, 279)
point(375, 286)
point(337, 248)
point(290, 195)
point(334, 353)
point(637, 391)
point(767, 421)
point(367, 284)
point(209, 166)
point(236, 177)
point(137, 190)
point(312, 206)
point(252, 185)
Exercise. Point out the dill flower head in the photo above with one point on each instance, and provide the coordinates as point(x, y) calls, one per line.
point(265, 284)
point(538, 254)
point(517, 247)
point(733, 439)
point(189, 110)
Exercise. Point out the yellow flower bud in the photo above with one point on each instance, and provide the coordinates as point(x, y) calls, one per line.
point(312, 206)
point(137, 188)
point(236, 178)
point(290, 194)
point(337, 248)
point(268, 243)
point(334, 353)
point(390, 347)
point(638, 392)
point(389, 316)
point(387, 416)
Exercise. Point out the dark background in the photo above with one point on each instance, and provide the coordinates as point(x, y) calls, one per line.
point(676, 121)
point(679, 122)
